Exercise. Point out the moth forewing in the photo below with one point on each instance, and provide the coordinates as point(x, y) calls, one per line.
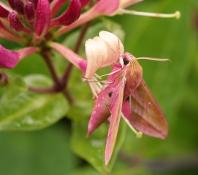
point(115, 109)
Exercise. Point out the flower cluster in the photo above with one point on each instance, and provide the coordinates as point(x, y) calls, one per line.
point(30, 23)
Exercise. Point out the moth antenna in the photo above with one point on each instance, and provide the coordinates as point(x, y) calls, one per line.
point(176, 15)
point(153, 59)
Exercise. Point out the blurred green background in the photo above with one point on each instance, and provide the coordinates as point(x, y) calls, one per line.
point(175, 85)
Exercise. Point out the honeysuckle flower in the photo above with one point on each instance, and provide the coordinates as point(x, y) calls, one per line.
point(9, 59)
point(30, 22)
point(111, 8)
point(68, 54)
point(125, 95)
point(100, 52)
point(37, 16)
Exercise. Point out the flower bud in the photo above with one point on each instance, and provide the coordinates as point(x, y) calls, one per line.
point(15, 22)
point(9, 59)
point(3, 12)
point(29, 10)
point(84, 2)
point(42, 15)
point(70, 15)
point(17, 5)
point(34, 2)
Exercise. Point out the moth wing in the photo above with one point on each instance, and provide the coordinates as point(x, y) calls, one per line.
point(115, 109)
point(105, 98)
point(146, 115)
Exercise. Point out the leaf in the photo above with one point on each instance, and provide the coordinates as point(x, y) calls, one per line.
point(45, 152)
point(92, 149)
point(21, 109)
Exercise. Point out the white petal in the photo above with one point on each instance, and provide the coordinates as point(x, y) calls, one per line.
point(102, 51)
point(112, 41)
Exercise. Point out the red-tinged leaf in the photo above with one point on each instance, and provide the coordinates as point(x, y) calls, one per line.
point(115, 109)
point(146, 115)
point(43, 15)
point(70, 15)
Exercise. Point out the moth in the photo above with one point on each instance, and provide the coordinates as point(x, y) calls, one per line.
point(127, 96)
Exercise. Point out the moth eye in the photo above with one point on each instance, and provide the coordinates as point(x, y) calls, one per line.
point(126, 61)
point(110, 94)
point(127, 99)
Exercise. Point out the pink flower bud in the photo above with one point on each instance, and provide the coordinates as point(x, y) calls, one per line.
point(29, 10)
point(17, 5)
point(43, 15)
point(3, 12)
point(56, 6)
point(84, 2)
point(15, 21)
point(34, 2)
point(9, 59)
point(70, 15)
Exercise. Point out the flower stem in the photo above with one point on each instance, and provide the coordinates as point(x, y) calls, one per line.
point(47, 90)
point(3, 79)
point(51, 68)
point(58, 86)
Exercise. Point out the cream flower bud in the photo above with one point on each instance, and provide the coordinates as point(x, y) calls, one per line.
point(101, 51)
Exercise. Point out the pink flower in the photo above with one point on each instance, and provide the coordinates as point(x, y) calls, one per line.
point(9, 59)
point(30, 22)
point(111, 8)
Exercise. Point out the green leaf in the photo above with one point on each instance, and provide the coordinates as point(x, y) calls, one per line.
point(92, 148)
point(44, 152)
point(21, 109)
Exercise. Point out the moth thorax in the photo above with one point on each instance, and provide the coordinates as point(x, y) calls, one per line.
point(133, 76)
